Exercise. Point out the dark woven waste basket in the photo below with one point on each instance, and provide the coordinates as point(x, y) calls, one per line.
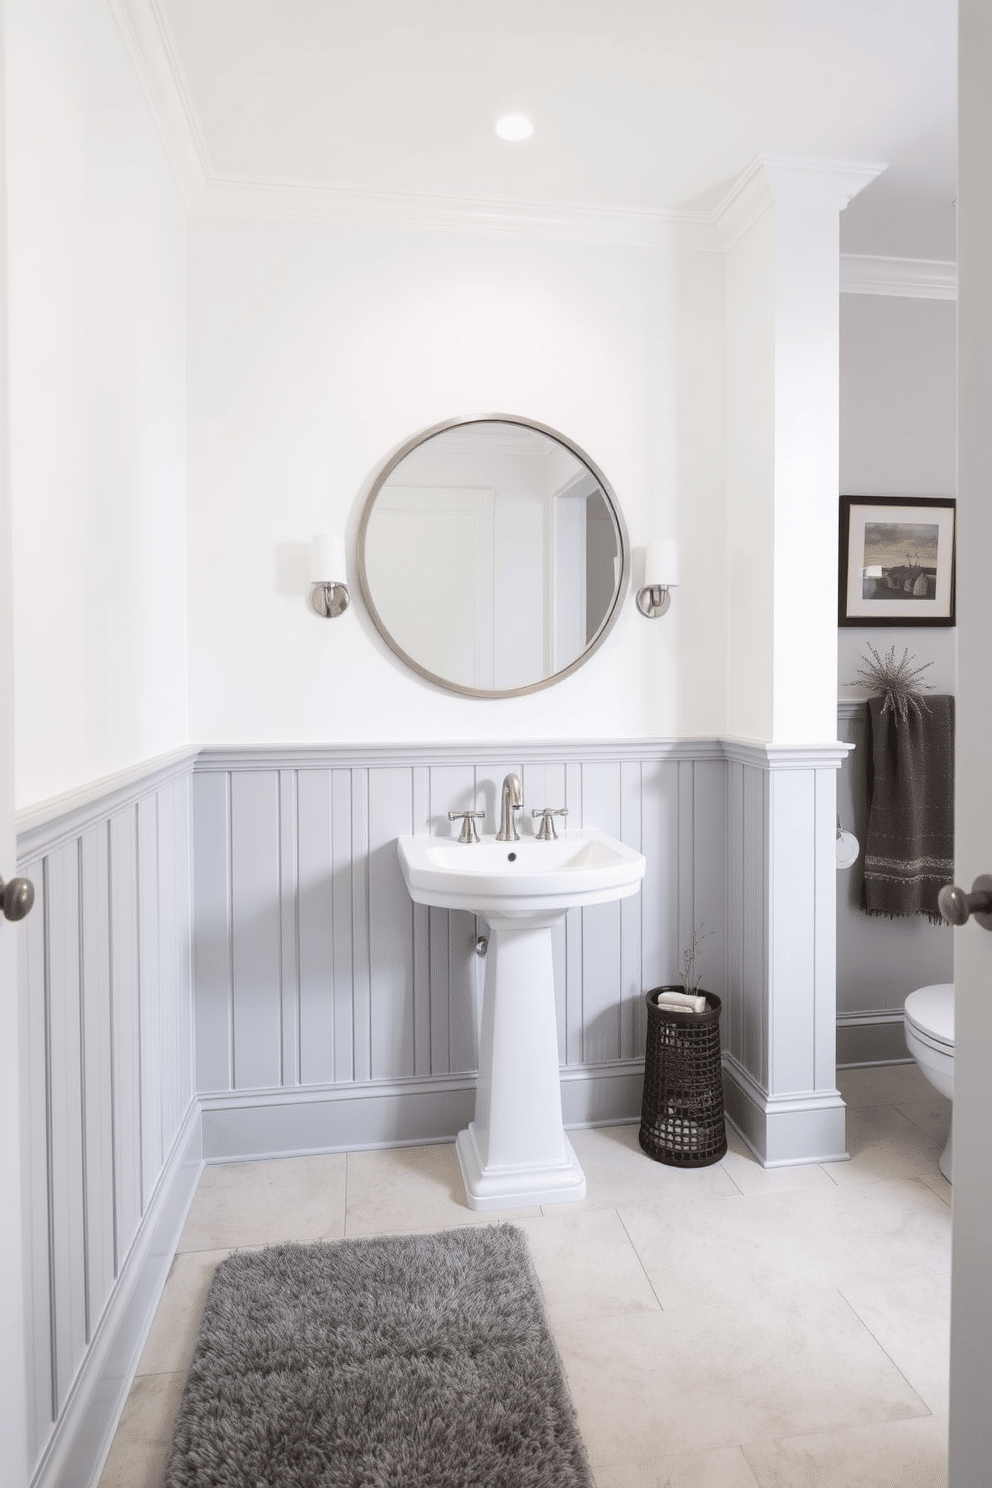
point(682, 1110)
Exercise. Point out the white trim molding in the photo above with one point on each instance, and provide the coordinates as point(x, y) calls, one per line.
point(52, 823)
point(770, 180)
point(147, 40)
point(785, 1130)
point(871, 1036)
point(356, 206)
point(151, 48)
point(481, 752)
point(393, 1113)
point(905, 278)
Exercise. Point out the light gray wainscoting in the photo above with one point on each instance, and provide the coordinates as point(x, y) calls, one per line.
point(110, 1120)
point(332, 1012)
point(879, 961)
point(779, 1027)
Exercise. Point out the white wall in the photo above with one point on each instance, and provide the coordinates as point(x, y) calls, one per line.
point(314, 349)
point(782, 231)
point(97, 345)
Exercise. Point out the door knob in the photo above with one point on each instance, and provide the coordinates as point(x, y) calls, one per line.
point(16, 897)
point(955, 905)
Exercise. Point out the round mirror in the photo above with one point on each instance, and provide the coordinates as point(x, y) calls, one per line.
point(492, 555)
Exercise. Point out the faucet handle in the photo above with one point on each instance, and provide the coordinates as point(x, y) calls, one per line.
point(468, 820)
point(546, 831)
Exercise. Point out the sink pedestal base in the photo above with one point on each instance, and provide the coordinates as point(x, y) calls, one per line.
point(515, 1153)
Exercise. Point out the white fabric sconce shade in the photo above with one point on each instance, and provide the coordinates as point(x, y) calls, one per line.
point(328, 573)
point(327, 565)
point(661, 576)
point(661, 564)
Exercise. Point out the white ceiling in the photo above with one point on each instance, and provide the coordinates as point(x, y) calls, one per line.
point(644, 105)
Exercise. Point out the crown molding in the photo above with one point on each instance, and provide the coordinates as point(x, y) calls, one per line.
point(907, 278)
point(768, 179)
point(150, 49)
point(358, 206)
point(152, 53)
point(773, 179)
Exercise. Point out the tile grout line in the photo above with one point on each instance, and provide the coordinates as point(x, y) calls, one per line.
point(871, 1334)
point(630, 1240)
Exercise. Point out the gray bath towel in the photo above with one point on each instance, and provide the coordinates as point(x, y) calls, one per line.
point(909, 848)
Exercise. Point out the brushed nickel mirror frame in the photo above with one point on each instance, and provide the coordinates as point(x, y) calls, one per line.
point(612, 613)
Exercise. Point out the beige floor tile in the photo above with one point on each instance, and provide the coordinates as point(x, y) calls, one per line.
point(723, 1467)
point(898, 1454)
point(618, 1172)
point(169, 1346)
point(722, 1250)
point(140, 1449)
point(267, 1203)
point(806, 1307)
point(910, 1319)
point(656, 1383)
point(717, 1251)
point(883, 1085)
point(409, 1189)
point(586, 1265)
point(741, 1165)
point(939, 1185)
point(884, 1144)
point(932, 1116)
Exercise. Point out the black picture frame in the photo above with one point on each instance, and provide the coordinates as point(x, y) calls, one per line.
point(897, 560)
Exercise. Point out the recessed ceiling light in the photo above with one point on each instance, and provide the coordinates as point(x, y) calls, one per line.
point(514, 127)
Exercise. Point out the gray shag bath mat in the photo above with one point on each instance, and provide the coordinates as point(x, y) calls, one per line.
point(419, 1361)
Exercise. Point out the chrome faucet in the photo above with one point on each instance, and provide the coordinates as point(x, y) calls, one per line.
point(511, 800)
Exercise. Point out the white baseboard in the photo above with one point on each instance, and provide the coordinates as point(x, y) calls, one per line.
point(395, 1113)
point(874, 1036)
point(785, 1130)
point(76, 1450)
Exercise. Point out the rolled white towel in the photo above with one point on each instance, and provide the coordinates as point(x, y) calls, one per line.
point(681, 1002)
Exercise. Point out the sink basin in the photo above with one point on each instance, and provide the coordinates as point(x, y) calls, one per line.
point(520, 879)
point(515, 1152)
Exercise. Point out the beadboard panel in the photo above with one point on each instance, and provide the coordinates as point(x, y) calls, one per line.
point(350, 983)
point(106, 997)
point(382, 993)
point(779, 1037)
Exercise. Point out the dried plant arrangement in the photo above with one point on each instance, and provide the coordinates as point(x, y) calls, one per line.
point(898, 682)
point(691, 975)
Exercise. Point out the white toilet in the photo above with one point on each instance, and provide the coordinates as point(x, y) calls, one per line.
point(929, 1024)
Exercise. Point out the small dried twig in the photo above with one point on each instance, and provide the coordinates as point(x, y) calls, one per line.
point(898, 682)
point(691, 975)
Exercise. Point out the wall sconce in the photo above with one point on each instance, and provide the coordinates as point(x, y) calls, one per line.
point(328, 589)
point(661, 576)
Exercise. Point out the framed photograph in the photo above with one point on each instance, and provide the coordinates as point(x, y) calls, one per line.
point(897, 560)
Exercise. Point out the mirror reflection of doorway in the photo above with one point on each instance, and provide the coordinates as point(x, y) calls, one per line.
point(449, 533)
point(492, 556)
point(584, 568)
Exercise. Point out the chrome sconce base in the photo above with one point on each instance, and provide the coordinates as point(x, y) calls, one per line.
point(654, 600)
point(329, 600)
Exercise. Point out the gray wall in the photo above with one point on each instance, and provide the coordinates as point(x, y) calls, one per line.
point(897, 438)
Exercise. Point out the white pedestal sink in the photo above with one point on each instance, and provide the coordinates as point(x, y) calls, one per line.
point(516, 1152)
